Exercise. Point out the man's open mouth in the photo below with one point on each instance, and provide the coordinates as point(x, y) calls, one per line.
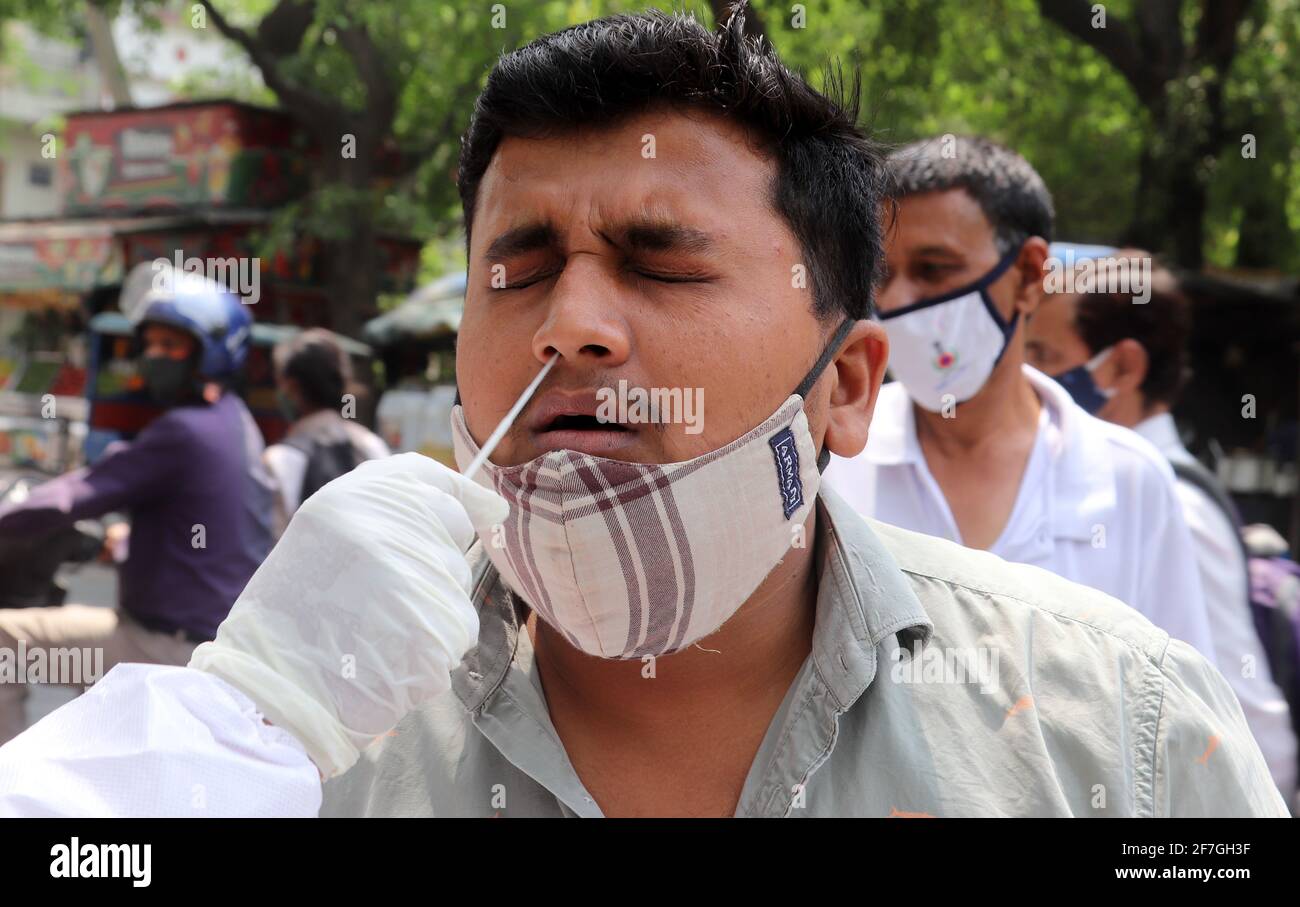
point(578, 422)
point(572, 421)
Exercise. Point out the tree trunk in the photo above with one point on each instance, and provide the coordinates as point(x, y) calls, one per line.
point(1150, 53)
point(107, 60)
point(1171, 199)
point(352, 263)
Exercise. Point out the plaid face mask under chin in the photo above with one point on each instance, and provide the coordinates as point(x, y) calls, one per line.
point(630, 559)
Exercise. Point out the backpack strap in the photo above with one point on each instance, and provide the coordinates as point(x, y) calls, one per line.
point(1195, 474)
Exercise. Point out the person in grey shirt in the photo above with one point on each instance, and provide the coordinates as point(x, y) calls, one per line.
point(661, 615)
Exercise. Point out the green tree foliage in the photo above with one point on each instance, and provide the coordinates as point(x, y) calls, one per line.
point(1000, 68)
point(402, 74)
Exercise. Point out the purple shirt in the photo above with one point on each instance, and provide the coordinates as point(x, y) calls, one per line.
point(199, 499)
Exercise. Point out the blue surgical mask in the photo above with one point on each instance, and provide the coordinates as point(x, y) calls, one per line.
point(1083, 387)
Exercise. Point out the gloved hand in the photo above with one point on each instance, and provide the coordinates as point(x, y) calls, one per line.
point(362, 609)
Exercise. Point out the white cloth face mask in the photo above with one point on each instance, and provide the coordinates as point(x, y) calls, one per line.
point(949, 344)
point(627, 559)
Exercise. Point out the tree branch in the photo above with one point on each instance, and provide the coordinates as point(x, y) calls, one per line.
point(1114, 42)
point(1160, 34)
point(307, 104)
point(381, 93)
point(1216, 33)
point(282, 29)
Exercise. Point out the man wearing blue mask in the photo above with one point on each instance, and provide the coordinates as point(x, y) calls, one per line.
point(1123, 357)
point(971, 444)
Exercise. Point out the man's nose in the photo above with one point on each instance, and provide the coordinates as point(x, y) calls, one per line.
point(584, 322)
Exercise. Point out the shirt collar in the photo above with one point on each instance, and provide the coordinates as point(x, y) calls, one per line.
point(1161, 431)
point(862, 596)
point(1081, 472)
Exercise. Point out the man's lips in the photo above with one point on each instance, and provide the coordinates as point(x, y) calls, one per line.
point(606, 443)
point(559, 420)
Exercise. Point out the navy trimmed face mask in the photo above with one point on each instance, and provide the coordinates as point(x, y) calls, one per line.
point(1081, 386)
point(943, 349)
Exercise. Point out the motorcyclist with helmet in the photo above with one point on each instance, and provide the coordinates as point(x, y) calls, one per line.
point(192, 483)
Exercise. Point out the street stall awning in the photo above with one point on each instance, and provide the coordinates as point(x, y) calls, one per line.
point(47, 262)
point(428, 313)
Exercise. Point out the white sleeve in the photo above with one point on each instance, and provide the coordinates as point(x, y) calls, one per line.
point(156, 740)
point(1172, 596)
point(1238, 651)
point(288, 465)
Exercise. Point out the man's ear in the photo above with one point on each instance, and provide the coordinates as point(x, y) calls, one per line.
point(858, 372)
point(1128, 362)
point(1029, 268)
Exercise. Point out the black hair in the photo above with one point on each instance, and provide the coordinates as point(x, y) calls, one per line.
point(1161, 325)
point(830, 183)
point(1008, 190)
point(319, 365)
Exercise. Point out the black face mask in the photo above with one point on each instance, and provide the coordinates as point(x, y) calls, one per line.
point(168, 381)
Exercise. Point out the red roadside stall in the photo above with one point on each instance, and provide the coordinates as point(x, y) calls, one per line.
point(191, 183)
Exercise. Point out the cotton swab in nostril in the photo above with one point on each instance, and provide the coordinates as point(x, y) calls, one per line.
point(504, 425)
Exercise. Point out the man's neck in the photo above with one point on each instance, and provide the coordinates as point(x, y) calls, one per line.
point(747, 664)
point(1130, 410)
point(1005, 406)
point(979, 458)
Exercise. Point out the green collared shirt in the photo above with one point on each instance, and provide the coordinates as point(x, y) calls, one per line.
point(942, 681)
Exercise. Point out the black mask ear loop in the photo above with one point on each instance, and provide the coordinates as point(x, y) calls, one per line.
point(832, 347)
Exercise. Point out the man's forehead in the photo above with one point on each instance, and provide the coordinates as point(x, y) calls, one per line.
point(1058, 308)
point(658, 167)
point(947, 221)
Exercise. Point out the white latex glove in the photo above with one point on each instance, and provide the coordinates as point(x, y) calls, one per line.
point(362, 609)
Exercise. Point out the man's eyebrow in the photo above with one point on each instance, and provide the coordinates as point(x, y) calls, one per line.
point(524, 238)
point(937, 252)
point(659, 236)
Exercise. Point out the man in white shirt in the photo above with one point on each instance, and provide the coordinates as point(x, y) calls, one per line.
point(313, 374)
point(1126, 361)
point(972, 445)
